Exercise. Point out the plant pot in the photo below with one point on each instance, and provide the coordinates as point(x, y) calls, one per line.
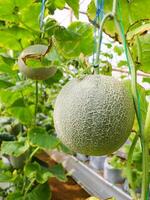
point(18, 162)
point(97, 162)
point(82, 157)
point(112, 174)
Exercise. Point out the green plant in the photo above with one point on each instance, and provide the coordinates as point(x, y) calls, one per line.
point(133, 172)
point(20, 28)
point(116, 162)
point(122, 25)
point(18, 96)
point(30, 176)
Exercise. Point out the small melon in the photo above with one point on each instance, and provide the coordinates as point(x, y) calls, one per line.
point(94, 115)
point(40, 73)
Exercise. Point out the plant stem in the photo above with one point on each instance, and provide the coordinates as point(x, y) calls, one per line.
point(129, 162)
point(24, 184)
point(146, 157)
point(114, 9)
point(36, 99)
point(29, 186)
point(143, 133)
point(133, 76)
point(106, 17)
point(101, 25)
point(32, 154)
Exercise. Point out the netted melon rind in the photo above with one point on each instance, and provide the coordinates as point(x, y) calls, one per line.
point(94, 116)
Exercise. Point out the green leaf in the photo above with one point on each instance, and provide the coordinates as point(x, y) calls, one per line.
point(146, 79)
point(55, 78)
point(144, 58)
point(59, 172)
point(6, 66)
point(143, 102)
point(8, 60)
point(107, 55)
point(31, 19)
point(108, 45)
point(140, 28)
point(50, 26)
point(74, 5)
point(5, 84)
point(8, 41)
point(8, 97)
point(9, 9)
point(17, 195)
point(63, 34)
point(21, 86)
point(122, 63)
point(22, 112)
point(41, 191)
point(71, 46)
point(142, 99)
point(18, 103)
point(59, 3)
point(130, 13)
point(37, 172)
point(54, 57)
point(5, 176)
point(65, 149)
point(40, 138)
point(118, 50)
point(20, 13)
point(42, 174)
point(91, 11)
point(52, 5)
point(4, 167)
point(14, 148)
point(15, 38)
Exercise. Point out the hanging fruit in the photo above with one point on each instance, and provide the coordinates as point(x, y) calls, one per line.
point(33, 65)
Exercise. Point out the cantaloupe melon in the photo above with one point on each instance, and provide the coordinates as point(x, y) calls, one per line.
point(39, 73)
point(94, 115)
